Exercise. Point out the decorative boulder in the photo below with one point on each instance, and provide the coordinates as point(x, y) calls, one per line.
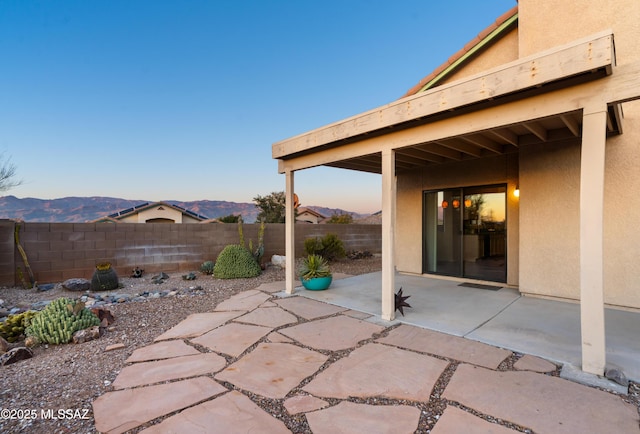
point(77, 284)
point(15, 355)
point(279, 261)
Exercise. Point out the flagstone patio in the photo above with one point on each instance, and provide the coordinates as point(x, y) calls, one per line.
point(341, 371)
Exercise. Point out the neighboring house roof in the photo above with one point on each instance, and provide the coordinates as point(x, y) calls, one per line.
point(303, 210)
point(503, 25)
point(120, 215)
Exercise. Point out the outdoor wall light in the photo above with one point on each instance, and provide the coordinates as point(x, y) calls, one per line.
point(456, 203)
point(516, 192)
point(445, 204)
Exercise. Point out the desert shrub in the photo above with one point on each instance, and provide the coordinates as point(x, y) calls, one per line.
point(207, 267)
point(330, 247)
point(235, 262)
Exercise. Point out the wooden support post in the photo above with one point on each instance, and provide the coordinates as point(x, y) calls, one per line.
point(591, 239)
point(290, 224)
point(388, 239)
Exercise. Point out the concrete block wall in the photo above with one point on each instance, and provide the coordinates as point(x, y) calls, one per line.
point(59, 251)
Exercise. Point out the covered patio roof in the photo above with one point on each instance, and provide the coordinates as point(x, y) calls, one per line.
point(441, 120)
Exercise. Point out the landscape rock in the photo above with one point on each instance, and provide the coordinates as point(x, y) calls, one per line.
point(4, 345)
point(15, 355)
point(160, 278)
point(617, 376)
point(46, 287)
point(86, 335)
point(77, 284)
point(279, 261)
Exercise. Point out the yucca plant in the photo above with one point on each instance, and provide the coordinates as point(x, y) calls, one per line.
point(314, 266)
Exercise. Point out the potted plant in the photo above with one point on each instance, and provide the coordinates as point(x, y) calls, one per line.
point(314, 272)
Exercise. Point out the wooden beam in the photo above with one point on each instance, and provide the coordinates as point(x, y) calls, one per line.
point(537, 129)
point(579, 57)
point(506, 135)
point(484, 143)
point(571, 124)
point(419, 154)
point(437, 149)
point(461, 147)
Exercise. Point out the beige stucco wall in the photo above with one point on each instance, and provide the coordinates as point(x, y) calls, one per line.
point(411, 185)
point(159, 212)
point(550, 175)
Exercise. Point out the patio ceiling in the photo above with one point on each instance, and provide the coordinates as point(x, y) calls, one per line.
point(481, 144)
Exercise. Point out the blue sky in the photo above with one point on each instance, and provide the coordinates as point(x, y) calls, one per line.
point(182, 99)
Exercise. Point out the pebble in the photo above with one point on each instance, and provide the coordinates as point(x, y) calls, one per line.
point(94, 300)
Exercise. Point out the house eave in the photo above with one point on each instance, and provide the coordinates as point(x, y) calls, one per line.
point(582, 60)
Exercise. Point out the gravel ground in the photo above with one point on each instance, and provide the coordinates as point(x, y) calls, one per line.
point(71, 376)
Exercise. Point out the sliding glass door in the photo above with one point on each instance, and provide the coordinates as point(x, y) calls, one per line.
point(465, 232)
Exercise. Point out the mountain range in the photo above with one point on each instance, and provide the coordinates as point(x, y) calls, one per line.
point(84, 209)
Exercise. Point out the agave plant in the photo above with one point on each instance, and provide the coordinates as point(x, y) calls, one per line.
point(314, 266)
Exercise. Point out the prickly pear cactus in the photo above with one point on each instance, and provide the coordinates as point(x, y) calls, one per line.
point(104, 278)
point(57, 323)
point(13, 327)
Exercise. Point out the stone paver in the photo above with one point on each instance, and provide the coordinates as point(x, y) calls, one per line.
point(272, 370)
point(247, 300)
point(428, 341)
point(350, 418)
point(230, 413)
point(272, 287)
point(304, 403)
point(543, 403)
point(456, 421)
point(533, 363)
point(277, 337)
point(198, 324)
point(268, 317)
point(308, 309)
point(169, 369)
point(379, 370)
point(334, 333)
point(356, 314)
point(232, 339)
point(162, 350)
point(122, 410)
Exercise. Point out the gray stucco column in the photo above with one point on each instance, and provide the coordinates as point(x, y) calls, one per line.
point(594, 134)
point(388, 235)
point(290, 224)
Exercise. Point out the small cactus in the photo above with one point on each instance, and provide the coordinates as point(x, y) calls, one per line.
point(207, 267)
point(104, 278)
point(57, 323)
point(13, 327)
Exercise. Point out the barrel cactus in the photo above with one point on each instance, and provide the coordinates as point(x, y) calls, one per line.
point(104, 278)
point(57, 323)
point(13, 327)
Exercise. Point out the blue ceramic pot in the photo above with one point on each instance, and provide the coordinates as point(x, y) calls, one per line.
point(317, 283)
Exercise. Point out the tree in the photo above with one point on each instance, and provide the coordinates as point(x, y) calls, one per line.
point(231, 218)
point(7, 174)
point(342, 218)
point(272, 207)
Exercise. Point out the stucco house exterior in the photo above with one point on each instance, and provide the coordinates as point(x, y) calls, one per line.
point(517, 162)
point(308, 215)
point(156, 212)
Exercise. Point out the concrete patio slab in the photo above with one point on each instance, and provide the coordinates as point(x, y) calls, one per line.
point(350, 418)
point(334, 333)
point(146, 373)
point(308, 309)
point(246, 300)
point(268, 317)
point(122, 410)
point(232, 339)
point(304, 403)
point(456, 421)
point(230, 413)
point(162, 350)
point(198, 324)
point(432, 301)
point(453, 347)
point(540, 402)
point(379, 370)
point(272, 370)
